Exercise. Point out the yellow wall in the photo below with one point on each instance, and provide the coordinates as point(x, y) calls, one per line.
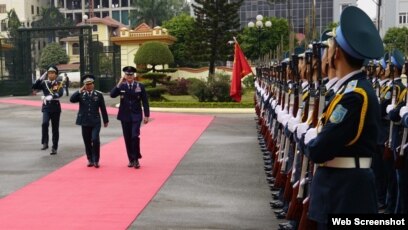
point(127, 52)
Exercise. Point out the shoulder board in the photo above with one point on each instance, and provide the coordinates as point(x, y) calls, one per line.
point(98, 91)
point(351, 86)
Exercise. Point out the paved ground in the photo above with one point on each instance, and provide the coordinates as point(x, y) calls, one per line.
point(219, 184)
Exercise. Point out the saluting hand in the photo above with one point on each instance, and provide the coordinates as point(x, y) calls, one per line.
point(122, 79)
point(82, 89)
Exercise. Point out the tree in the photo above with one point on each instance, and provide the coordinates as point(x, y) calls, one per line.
point(13, 23)
point(154, 53)
point(52, 17)
point(396, 38)
point(53, 54)
point(154, 12)
point(181, 27)
point(216, 22)
point(270, 38)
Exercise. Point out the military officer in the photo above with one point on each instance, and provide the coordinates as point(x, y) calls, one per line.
point(91, 104)
point(132, 97)
point(345, 140)
point(51, 107)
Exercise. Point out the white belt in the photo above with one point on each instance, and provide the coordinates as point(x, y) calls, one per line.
point(348, 162)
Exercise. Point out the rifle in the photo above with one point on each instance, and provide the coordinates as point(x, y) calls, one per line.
point(295, 204)
point(292, 148)
point(388, 153)
point(318, 97)
point(275, 126)
point(280, 177)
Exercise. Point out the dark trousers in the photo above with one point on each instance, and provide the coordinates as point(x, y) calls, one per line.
point(55, 119)
point(379, 170)
point(66, 90)
point(392, 186)
point(131, 132)
point(90, 135)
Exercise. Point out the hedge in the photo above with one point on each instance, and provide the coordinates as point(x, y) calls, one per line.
point(170, 104)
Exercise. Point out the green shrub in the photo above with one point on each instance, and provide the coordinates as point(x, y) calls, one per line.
point(249, 82)
point(178, 87)
point(156, 93)
point(174, 104)
point(220, 91)
point(199, 90)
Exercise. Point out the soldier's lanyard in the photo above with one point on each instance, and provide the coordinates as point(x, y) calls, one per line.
point(49, 90)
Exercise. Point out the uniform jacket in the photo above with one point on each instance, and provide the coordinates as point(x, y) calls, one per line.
point(131, 102)
point(350, 129)
point(54, 89)
point(90, 107)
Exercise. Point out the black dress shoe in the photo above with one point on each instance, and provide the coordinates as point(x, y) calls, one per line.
point(277, 205)
point(90, 164)
point(53, 151)
point(44, 147)
point(130, 165)
point(281, 225)
point(278, 211)
point(96, 164)
point(287, 226)
point(281, 215)
point(137, 165)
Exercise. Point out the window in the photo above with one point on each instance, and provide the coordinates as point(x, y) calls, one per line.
point(3, 25)
point(32, 9)
point(75, 49)
point(3, 8)
point(38, 10)
point(94, 28)
point(402, 18)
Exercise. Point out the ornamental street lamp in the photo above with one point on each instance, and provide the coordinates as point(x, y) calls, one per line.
point(259, 24)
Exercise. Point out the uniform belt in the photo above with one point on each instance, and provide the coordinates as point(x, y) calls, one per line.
point(348, 162)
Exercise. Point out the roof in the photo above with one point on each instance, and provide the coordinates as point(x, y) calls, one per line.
point(106, 21)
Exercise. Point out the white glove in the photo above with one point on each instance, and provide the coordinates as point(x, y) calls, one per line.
point(274, 103)
point(278, 108)
point(390, 107)
point(310, 135)
point(48, 98)
point(403, 111)
point(301, 129)
point(43, 76)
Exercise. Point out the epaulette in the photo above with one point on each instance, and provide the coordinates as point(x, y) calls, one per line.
point(351, 86)
point(98, 91)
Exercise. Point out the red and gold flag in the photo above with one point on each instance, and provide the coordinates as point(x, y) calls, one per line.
point(240, 69)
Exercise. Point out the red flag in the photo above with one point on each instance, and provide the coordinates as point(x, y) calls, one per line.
point(240, 69)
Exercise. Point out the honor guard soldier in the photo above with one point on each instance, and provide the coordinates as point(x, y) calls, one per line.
point(132, 97)
point(91, 105)
point(51, 107)
point(345, 139)
point(393, 110)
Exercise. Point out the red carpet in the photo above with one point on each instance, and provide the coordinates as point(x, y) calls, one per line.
point(111, 197)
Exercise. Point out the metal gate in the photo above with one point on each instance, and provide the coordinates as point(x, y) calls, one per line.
point(20, 57)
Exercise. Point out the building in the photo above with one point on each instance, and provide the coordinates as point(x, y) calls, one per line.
point(27, 12)
point(300, 10)
point(130, 40)
point(393, 14)
point(76, 9)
